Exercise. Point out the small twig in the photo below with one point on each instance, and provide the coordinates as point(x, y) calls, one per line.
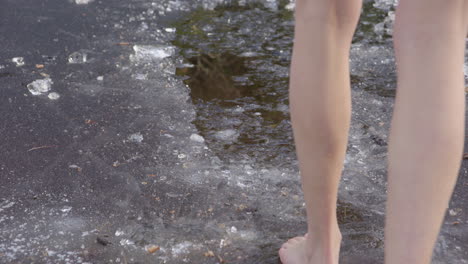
point(42, 147)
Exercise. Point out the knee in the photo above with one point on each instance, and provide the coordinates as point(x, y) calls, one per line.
point(434, 17)
point(341, 14)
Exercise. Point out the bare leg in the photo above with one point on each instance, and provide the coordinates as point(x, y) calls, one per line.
point(321, 112)
point(426, 138)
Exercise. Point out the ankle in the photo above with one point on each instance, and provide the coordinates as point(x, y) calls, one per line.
point(323, 250)
point(325, 233)
point(326, 241)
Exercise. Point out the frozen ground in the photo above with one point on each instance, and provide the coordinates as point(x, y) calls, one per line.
point(158, 132)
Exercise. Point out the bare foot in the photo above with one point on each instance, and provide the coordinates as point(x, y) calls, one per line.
point(301, 250)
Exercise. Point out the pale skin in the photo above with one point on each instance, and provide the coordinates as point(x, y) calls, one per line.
point(427, 130)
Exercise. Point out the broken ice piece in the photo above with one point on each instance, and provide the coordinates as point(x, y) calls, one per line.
point(19, 61)
point(40, 86)
point(127, 242)
point(100, 78)
point(78, 57)
point(83, 2)
point(74, 166)
point(170, 30)
point(149, 52)
point(66, 209)
point(290, 6)
point(227, 135)
point(197, 138)
point(54, 96)
point(137, 137)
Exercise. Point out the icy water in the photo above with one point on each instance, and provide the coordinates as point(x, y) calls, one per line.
point(158, 132)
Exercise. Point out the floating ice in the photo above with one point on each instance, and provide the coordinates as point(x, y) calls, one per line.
point(66, 209)
point(19, 61)
point(271, 4)
point(385, 27)
point(119, 232)
point(385, 4)
point(140, 76)
point(100, 78)
point(227, 135)
point(149, 52)
point(78, 57)
point(54, 96)
point(249, 54)
point(126, 242)
point(40, 86)
point(170, 30)
point(182, 248)
point(137, 137)
point(83, 2)
point(290, 6)
point(197, 138)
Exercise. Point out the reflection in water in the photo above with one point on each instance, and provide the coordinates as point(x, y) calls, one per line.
point(213, 76)
point(348, 213)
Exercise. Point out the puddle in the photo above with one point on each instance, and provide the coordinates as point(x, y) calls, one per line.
point(239, 78)
point(236, 62)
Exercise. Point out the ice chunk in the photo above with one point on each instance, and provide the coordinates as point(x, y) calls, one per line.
point(83, 2)
point(385, 4)
point(19, 61)
point(140, 76)
point(249, 54)
point(66, 209)
point(197, 138)
point(137, 137)
point(149, 52)
point(126, 242)
point(379, 28)
point(40, 86)
point(182, 248)
point(54, 96)
point(271, 4)
point(78, 57)
point(170, 30)
point(385, 27)
point(290, 6)
point(227, 135)
point(100, 78)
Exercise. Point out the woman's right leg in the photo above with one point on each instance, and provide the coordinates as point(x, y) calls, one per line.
point(427, 134)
